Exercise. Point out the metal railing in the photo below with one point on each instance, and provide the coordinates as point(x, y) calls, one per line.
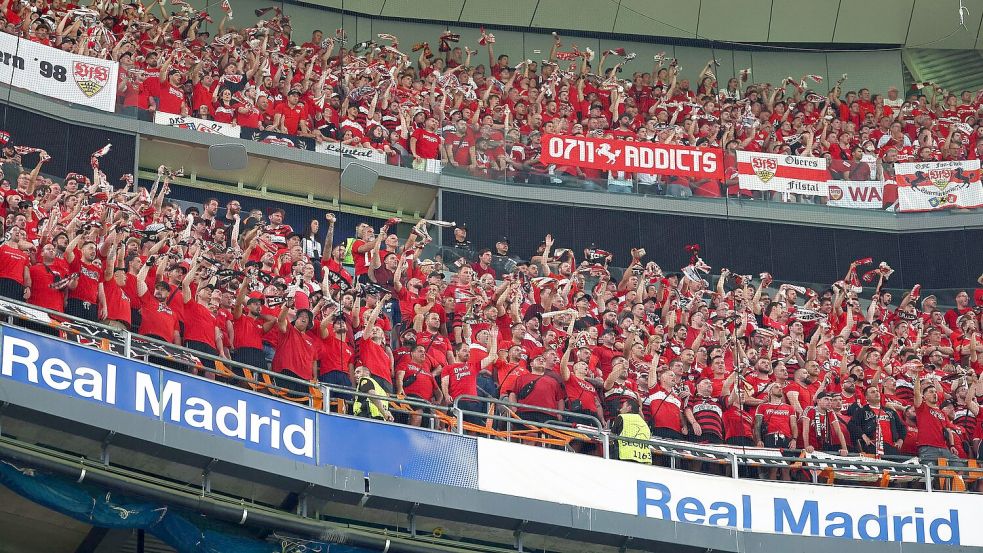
point(155, 352)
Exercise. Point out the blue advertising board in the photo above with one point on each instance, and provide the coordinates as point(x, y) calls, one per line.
point(255, 421)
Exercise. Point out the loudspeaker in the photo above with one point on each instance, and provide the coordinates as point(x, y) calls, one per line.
point(227, 157)
point(359, 178)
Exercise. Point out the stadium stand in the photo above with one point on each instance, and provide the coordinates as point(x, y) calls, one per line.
point(550, 347)
point(451, 111)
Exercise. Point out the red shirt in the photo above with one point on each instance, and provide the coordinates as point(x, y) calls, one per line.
point(199, 324)
point(579, 390)
point(375, 358)
point(295, 352)
point(336, 355)
point(417, 379)
point(427, 144)
point(546, 392)
point(170, 99)
point(157, 319)
point(664, 409)
point(42, 295)
point(13, 261)
point(776, 418)
point(931, 422)
point(247, 332)
point(463, 380)
point(90, 275)
point(292, 115)
point(117, 302)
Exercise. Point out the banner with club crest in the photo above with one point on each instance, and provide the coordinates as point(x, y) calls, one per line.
point(782, 173)
point(936, 185)
point(52, 72)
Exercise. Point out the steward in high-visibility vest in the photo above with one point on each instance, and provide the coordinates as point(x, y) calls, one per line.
point(630, 424)
point(376, 405)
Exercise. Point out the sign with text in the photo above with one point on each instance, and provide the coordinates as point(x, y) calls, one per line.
point(197, 125)
point(935, 185)
point(58, 74)
point(633, 157)
point(863, 194)
point(866, 514)
point(362, 154)
point(782, 173)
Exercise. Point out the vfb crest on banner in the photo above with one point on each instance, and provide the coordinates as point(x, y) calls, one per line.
point(90, 77)
point(764, 167)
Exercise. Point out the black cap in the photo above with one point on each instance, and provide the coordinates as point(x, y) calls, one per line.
point(503, 240)
point(462, 226)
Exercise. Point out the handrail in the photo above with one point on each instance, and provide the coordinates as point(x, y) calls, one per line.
point(595, 430)
point(127, 340)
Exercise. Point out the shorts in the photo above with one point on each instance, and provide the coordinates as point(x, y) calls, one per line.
point(534, 416)
point(337, 379)
point(931, 455)
point(253, 357)
point(10, 288)
point(708, 439)
point(292, 385)
point(82, 309)
point(740, 441)
point(667, 433)
point(203, 348)
point(778, 441)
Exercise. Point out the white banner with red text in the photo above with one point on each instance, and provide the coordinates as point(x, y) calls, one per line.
point(58, 74)
point(198, 125)
point(934, 185)
point(782, 173)
point(856, 194)
point(869, 514)
point(633, 157)
point(362, 154)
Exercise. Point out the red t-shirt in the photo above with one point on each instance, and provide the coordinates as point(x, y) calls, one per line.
point(463, 380)
point(579, 390)
point(88, 282)
point(335, 356)
point(248, 332)
point(295, 352)
point(42, 295)
point(664, 409)
point(199, 324)
point(417, 379)
point(931, 422)
point(375, 358)
point(170, 99)
point(547, 392)
point(292, 116)
point(117, 302)
point(776, 418)
point(157, 319)
point(13, 261)
point(427, 144)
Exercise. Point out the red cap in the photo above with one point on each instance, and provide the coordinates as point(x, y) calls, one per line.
point(255, 296)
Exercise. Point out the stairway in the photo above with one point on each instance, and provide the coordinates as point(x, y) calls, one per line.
point(954, 70)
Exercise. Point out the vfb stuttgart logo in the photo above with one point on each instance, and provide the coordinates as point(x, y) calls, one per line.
point(90, 77)
point(764, 167)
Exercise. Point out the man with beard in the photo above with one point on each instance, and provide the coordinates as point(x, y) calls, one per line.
point(249, 325)
point(877, 429)
point(820, 428)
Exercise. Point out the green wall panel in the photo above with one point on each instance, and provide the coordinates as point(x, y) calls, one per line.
point(575, 14)
point(502, 12)
point(737, 20)
point(658, 18)
point(932, 20)
point(803, 20)
point(876, 21)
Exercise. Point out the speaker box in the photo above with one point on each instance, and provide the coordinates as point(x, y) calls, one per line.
point(227, 157)
point(358, 178)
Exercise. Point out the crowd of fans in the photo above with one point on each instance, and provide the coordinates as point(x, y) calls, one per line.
point(736, 361)
point(486, 119)
point(739, 361)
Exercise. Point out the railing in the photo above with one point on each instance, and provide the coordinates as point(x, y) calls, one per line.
point(452, 418)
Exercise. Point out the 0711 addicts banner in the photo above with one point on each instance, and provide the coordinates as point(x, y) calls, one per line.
point(58, 74)
point(633, 157)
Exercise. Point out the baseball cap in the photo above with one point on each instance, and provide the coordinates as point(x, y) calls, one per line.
point(255, 296)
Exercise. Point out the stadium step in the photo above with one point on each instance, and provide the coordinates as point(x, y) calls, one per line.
point(954, 70)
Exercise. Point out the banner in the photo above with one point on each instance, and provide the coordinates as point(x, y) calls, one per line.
point(362, 154)
point(198, 125)
point(933, 185)
point(633, 157)
point(782, 173)
point(862, 194)
point(58, 74)
point(277, 139)
point(869, 514)
point(255, 421)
